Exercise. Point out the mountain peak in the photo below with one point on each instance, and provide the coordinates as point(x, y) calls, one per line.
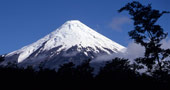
point(73, 21)
point(72, 35)
point(73, 25)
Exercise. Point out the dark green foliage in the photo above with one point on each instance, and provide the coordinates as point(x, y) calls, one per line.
point(114, 69)
point(148, 34)
point(70, 71)
point(79, 75)
point(66, 71)
point(84, 71)
point(118, 73)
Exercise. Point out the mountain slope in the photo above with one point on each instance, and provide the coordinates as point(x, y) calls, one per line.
point(73, 41)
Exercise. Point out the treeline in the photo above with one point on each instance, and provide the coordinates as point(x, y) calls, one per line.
point(118, 73)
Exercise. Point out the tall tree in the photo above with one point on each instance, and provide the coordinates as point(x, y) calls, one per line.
point(148, 34)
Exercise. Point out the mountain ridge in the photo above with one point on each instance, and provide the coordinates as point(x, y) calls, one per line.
point(72, 39)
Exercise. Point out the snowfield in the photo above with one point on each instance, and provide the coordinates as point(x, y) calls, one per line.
point(72, 38)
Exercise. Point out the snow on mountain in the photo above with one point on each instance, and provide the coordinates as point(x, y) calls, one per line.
point(72, 41)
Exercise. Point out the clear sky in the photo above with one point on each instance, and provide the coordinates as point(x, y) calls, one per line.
point(23, 22)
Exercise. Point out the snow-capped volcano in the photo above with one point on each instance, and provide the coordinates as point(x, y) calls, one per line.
point(73, 41)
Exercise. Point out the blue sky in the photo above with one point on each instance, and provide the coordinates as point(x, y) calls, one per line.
point(23, 22)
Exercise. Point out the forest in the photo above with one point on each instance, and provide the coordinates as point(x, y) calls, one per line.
point(118, 73)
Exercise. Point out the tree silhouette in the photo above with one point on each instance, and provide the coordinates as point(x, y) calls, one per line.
point(66, 72)
point(116, 73)
point(115, 70)
point(84, 71)
point(148, 34)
